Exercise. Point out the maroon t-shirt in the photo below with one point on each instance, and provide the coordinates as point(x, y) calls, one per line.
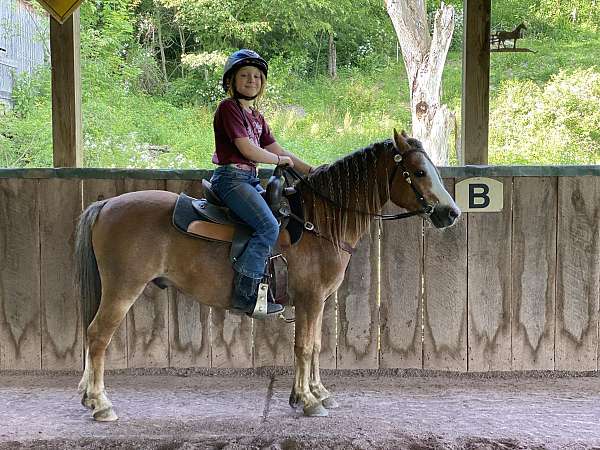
point(229, 124)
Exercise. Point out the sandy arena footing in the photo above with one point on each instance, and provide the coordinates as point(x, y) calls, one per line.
point(188, 410)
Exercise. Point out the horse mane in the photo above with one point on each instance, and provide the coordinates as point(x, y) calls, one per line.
point(348, 191)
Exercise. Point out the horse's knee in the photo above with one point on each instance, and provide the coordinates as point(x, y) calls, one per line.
point(303, 352)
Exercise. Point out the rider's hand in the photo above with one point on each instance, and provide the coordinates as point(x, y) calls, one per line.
point(285, 161)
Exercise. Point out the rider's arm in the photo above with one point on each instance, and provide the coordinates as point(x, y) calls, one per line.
point(254, 153)
point(298, 163)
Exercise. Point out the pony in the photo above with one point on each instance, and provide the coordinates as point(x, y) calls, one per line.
point(117, 257)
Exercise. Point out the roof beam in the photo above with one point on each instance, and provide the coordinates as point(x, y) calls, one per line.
point(66, 92)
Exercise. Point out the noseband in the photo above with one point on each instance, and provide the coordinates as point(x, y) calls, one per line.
point(426, 207)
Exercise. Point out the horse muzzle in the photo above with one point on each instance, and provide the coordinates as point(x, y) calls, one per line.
point(444, 216)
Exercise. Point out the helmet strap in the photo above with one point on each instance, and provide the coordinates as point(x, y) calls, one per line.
point(236, 94)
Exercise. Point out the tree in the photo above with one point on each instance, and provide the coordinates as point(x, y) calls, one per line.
point(424, 58)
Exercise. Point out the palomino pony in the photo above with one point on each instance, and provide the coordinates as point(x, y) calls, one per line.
point(117, 257)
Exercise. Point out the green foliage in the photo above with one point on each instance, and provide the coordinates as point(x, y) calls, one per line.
point(556, 123)
point(559, 19)
point(133, 117)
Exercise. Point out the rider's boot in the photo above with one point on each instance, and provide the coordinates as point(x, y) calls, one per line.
point(250, 297)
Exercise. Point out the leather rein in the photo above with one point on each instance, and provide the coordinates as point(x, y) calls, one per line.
point(426, 207)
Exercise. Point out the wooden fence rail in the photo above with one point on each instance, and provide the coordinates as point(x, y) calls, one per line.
point(513, 290)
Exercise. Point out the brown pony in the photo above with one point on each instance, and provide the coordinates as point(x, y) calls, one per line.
point(117, 258)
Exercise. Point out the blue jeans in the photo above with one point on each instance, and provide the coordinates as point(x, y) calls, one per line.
point(240, 191)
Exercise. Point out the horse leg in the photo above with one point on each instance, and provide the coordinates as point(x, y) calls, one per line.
point(315, 384)
point(306, 321)
point(113, 307)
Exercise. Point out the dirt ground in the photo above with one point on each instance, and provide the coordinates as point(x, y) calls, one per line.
point(388, 410)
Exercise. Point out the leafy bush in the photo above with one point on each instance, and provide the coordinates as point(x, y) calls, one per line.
point(556, 123)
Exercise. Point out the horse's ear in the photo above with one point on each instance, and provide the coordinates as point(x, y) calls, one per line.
point(400, 141)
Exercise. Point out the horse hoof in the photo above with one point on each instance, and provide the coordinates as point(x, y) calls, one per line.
point(105, 415)
point(330, 403)
point(83, 399)
point(316, 411)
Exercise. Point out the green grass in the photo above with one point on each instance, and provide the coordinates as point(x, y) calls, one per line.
point(533, 119)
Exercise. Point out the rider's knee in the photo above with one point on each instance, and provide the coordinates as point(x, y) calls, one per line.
point(270, 229)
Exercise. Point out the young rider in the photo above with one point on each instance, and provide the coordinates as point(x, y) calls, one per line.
point(242, 140)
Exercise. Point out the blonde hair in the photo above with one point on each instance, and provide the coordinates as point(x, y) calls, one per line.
point(263, 85)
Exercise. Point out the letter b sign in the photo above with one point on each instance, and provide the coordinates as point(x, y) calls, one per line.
point(479, 195)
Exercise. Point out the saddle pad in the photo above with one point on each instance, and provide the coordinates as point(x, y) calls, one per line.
point(187, 220)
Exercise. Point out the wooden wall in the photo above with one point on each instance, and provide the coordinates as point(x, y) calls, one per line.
point(513, 290)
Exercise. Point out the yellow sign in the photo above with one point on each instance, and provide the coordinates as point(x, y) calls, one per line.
point(61, 10)
point(479, 195)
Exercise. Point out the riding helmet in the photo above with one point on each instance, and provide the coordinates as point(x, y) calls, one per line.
point(242, 58)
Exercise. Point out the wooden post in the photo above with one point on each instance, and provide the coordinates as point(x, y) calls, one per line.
point(66, 92)
point(476, 81)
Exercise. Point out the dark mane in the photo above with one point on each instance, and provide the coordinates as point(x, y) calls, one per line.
point(348, 190)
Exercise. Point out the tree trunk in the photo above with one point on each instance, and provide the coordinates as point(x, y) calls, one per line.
point(161, 46)
point(182, 41)
point(332, 65)
point(424, 58)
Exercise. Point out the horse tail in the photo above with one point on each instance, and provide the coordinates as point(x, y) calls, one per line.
point(86, 265)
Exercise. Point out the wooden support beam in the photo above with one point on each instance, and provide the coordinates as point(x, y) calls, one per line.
point(476, 81)
point(66, 92)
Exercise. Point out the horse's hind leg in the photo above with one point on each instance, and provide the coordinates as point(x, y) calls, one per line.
point(114, 305)
point(315, 384)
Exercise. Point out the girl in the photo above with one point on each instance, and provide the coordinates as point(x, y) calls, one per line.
point(242, 140)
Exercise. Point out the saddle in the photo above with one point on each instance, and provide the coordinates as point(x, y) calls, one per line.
point(208, 218)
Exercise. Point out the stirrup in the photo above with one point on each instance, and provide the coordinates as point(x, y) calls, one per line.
point(261, 309)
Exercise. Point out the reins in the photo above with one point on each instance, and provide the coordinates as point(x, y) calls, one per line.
point(426, 207)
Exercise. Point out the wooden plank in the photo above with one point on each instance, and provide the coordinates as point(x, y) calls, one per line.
point(578, 273)
point(66, 92)
point(476, 81)
point(445, 296)
point(116, 353)
point(20, 334)
point(231, 343)
point(401, 292)
point(489, 289)
point(148, 318)
point(189, 320)
point(533, 272)
point(327, 358)
point(273, 343)
point(189, 332)
point(60, 207)
point(358, 312)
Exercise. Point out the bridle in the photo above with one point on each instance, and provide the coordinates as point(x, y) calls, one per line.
point(426, 207)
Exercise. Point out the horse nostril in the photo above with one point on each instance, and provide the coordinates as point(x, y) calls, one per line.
point(453, 214)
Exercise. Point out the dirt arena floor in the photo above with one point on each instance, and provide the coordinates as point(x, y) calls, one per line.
point(172, 409)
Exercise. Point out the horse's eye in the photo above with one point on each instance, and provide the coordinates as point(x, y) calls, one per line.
point(420, 173)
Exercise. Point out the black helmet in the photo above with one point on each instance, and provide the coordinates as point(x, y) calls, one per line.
point(243, 57)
